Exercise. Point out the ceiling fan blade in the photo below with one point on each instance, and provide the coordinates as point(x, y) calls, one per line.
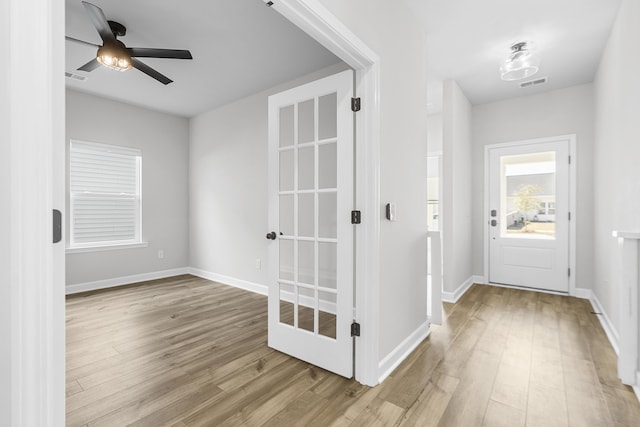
point(81, 41)
point(90, 66)
point(150, 71)
point(145, 52)
point(99, 21)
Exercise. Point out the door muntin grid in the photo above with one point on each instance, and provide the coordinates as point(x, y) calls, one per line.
point(308, 194)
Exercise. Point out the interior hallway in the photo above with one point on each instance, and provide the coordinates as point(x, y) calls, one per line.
point(185, 351)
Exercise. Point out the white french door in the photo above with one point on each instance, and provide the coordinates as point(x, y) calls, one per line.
point(311, 195)
point(529, 215)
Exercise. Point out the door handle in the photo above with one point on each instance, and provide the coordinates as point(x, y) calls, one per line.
point(57, 226)
point(271, 236)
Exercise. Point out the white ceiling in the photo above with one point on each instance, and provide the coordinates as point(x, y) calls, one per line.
point(468, 39)
point(239, 47)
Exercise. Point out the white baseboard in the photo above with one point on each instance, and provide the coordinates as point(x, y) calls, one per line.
point(524, 288)
point(393, 359)
point(480, 280)
point(454, 296)
point(124, 280)
point(231, 281)
point(609, 330)
point(582, 293)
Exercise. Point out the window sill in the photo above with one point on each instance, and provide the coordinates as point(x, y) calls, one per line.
point(81, 249)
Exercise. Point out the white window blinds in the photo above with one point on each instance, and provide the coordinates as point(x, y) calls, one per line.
point(104, 186)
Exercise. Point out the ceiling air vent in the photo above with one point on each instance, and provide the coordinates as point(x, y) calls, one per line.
point(76, 77)
point(536, 82)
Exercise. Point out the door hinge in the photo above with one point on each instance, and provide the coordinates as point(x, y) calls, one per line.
point(569, 216)
point(355, 104)
point(568, 272)
point(569, 159)
point(355, 217)
point(355, 329)
point(269, 3)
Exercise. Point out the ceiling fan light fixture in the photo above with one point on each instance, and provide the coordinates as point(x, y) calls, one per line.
point(521, 63)
point(115, 57)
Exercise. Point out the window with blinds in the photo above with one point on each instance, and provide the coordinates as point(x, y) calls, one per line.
point(105, 194)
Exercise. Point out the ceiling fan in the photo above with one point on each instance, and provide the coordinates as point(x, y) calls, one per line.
point(115, 55)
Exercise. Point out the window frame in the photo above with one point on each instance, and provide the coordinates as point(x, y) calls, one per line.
point(137, 241)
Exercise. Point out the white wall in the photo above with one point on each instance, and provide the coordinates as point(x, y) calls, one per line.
point(164, 140)
point(403, 268)
point(5, 224)
point(228, 186)
point(456, 168)
point(434, 133)
point(561, 112)
point(617, 151)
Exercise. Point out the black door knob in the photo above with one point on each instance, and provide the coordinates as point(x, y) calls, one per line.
point(271, 236)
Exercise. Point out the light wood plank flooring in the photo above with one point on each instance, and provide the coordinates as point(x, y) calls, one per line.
point(188, 352)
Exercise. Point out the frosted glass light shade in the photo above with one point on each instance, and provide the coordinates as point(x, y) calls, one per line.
point(522, 63)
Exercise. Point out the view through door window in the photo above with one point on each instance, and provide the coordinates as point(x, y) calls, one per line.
point(528, 194)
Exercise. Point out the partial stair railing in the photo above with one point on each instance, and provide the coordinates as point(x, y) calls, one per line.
point(435, 276)
point(628, 365)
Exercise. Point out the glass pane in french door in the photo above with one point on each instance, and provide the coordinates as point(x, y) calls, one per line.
point(308, 216)
point(528, 195)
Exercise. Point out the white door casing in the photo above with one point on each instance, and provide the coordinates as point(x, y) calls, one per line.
point(311, 196)
point(529, 249)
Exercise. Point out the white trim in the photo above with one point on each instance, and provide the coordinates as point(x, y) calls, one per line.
point(81, 249)
point(124, 280)
point(434, 280)
point(572, 200)
point(605, 321)
point(33, 110)
point(626, 234)
point(454, 296)
point(231, 281)
point(573, 209)
point(627, 305)
point(480, 280)
point(582, 293)
point(402, 351)
point(315, 20)
point(524, 288)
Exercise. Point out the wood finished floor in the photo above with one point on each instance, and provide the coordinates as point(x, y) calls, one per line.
point(188, 352)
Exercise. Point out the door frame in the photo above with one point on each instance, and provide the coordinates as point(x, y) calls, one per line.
point(434, 299)
point(32, 378)
point(572, 203)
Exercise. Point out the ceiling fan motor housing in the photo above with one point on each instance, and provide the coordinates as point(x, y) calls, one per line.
point(117, 28)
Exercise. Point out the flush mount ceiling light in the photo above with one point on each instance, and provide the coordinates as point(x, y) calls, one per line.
point(520, 64)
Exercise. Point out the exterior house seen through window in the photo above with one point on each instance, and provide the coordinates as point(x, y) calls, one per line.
point(105, 195)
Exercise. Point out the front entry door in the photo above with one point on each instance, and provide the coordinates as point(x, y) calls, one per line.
point(529, 215)
point(310, 202)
